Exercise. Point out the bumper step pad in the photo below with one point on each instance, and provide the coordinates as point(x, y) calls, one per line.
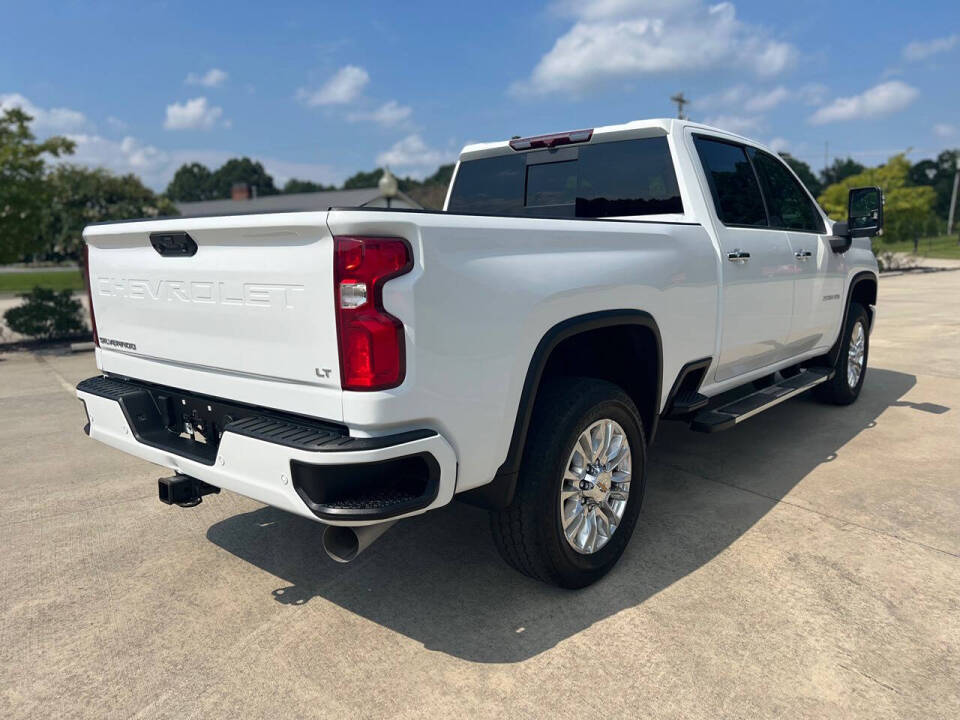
point(156, 416)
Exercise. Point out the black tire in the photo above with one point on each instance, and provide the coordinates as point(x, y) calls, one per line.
point(838, 390)
point(528, 533)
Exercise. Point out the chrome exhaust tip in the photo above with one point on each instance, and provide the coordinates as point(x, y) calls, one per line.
point(344, 544)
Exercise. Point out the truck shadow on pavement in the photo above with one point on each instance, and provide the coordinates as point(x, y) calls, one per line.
point(438, 580)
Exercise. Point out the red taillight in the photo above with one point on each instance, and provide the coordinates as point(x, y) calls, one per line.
point(372, 348)
point(86, 271)
point(549, 141)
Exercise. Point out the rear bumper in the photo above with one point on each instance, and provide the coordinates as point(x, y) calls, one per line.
point(343, 481)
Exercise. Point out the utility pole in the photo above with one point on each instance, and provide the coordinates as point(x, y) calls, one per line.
point(826, 156)
point(953, 198)
point(680, 100)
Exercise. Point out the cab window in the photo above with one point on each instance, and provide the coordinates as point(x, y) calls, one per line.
point(736, 193)
point(789, 205)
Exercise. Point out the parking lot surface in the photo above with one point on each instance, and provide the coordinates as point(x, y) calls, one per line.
point(803, 564)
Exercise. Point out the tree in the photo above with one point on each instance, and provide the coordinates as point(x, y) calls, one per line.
point(363, 179)
point(432, 192)
point(293, 185)
point(938, 174)
point(840, 170)
point(241, 170)
point(23, 190)
point(803, 172)
point(191, 183)
point(80, 196)
point(47, 314)
point(908, 209)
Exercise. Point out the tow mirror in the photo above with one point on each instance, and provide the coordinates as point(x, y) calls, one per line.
point(864, 218)
point(865, 212)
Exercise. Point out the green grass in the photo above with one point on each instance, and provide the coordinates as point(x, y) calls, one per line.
point(944, 246)
point(20, 282)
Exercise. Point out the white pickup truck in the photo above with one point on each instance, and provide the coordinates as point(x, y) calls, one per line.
point(516, 350)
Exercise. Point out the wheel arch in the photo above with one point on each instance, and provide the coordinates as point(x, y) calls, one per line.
point(862, 289)
point(636, 329)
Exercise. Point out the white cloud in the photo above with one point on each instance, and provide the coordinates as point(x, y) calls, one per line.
point(814, 93)
point(621, 39)
point(944, 130)
point(740, 124)
point(413, 156)
point(214, 77)
point(745, 98)
point(51, 119)
point(763, 101)
point(344, 87)
point(195, 114)
point(121, 156)
point(779, 144)
point(156, 166)
point(882, 99)
point(921, 50)
point(116, 123)
point(390, 114)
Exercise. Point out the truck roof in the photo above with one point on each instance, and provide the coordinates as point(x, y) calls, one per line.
point(636, 128)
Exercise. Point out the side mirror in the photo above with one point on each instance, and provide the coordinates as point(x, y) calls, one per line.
point(865, 212)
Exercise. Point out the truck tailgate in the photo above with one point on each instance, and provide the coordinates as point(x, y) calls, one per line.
point(255, 299)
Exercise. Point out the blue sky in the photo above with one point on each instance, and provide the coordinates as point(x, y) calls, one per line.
point(320, 90)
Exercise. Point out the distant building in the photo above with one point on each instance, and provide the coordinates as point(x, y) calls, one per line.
point(242, 202)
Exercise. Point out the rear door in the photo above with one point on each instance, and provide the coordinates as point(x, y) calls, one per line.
point(818, 271)
point(251, 297)
point(758, 264)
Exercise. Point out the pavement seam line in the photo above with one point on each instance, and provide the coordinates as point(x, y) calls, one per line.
point(779, 501)
point(70, 389)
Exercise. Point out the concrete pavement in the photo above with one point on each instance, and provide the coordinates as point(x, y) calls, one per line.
point(803, 564)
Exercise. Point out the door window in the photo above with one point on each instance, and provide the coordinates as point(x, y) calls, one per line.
point(789, 205)
point(736, 193)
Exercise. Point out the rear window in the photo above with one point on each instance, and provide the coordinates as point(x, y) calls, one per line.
point(736, 193)
point(628, 177)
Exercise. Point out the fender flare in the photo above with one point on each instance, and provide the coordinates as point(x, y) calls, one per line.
point(499, 492)
point(860, 277)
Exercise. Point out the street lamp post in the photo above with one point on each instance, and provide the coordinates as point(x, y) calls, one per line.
point(388, 185)
point(953, 198)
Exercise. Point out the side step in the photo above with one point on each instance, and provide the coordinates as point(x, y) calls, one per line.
point(726, 416)
point(686, 403)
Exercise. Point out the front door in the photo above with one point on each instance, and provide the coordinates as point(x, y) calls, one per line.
point(818, 271)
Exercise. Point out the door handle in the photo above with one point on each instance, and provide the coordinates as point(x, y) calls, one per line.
point(802, 254)
point(738, 256)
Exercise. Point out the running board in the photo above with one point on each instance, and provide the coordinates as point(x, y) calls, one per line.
point(725, 417)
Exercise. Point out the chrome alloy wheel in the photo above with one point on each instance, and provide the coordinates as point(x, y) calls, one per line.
point(855, 354)
point(595, 487)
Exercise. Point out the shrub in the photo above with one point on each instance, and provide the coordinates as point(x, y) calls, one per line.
point(47, 314)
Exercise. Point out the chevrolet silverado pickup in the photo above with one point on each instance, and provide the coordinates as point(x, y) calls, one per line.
point(516, 350)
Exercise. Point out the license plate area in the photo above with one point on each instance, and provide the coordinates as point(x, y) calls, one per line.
point(188, 425)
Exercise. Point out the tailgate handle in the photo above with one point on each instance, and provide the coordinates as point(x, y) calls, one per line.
point(173, 244)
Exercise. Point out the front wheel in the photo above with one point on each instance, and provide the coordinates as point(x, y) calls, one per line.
point(851, 366)
point(580, 487)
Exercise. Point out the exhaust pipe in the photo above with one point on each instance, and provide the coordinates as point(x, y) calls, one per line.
point(344, 544)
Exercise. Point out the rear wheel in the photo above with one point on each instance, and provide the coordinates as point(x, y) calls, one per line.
point(580, 487)
point(851, 366)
